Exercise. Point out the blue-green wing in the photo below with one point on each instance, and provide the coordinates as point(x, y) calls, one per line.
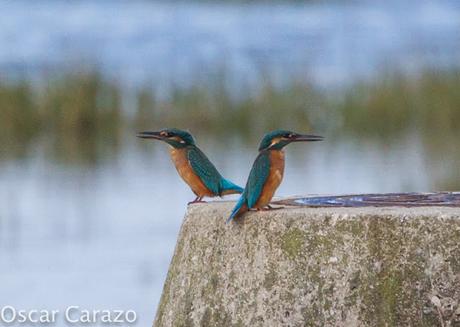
point(204, 169)
point(257, 178)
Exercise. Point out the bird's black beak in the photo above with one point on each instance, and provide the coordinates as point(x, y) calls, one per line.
point(306, 138)
point(150, 135)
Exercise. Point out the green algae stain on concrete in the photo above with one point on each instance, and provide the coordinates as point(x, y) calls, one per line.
point(354, 227)
point(270, 279)
point(390, 289)
point(292, 242)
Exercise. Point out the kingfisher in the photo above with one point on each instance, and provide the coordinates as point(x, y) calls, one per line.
point(193, 165)
point(267, 171)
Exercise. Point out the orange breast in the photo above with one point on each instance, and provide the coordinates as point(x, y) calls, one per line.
point(179, 158)
point(274, 179)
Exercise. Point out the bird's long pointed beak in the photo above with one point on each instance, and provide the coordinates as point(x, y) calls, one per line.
point(307, 138)
point(150, 135)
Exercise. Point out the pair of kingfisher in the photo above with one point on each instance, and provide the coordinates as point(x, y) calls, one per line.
point(205, 180)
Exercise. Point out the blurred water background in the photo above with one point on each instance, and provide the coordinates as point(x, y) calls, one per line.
point(89, 214)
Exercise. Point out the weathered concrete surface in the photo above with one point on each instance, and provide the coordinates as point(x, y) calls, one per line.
point(315, 267)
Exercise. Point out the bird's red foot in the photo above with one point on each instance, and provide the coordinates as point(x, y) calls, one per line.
point(192, 202)
point(268, 208)
point(197, 200)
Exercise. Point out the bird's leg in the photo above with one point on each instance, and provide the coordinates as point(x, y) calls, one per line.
point(269, 207)
point(198, 199)
point(264, 209)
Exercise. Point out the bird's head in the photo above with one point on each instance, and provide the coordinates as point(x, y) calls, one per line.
point(278, 139)
point(176, 138)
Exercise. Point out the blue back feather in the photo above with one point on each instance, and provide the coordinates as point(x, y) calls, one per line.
point(257, 177)
point(204, 169)
point(208, 173)
point(256, 181)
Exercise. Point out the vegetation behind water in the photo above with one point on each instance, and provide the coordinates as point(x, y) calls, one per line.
point(82, 117)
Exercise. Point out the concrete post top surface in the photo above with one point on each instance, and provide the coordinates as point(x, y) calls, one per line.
point(395, 204)
point(438, 199)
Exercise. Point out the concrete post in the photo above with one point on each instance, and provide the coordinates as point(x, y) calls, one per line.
point(299, 266)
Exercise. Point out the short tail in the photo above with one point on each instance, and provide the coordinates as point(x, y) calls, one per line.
point(228, 187)
point(239, 209)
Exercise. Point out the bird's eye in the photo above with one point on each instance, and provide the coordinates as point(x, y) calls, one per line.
point(164, 134)
point(288, 135)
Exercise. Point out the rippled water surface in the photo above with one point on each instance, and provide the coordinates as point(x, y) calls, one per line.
point(328, 42)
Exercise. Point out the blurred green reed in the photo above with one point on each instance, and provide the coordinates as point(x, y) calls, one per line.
point(395, 104)
point(76, 117)
point(82, 118)
point(214, 110)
